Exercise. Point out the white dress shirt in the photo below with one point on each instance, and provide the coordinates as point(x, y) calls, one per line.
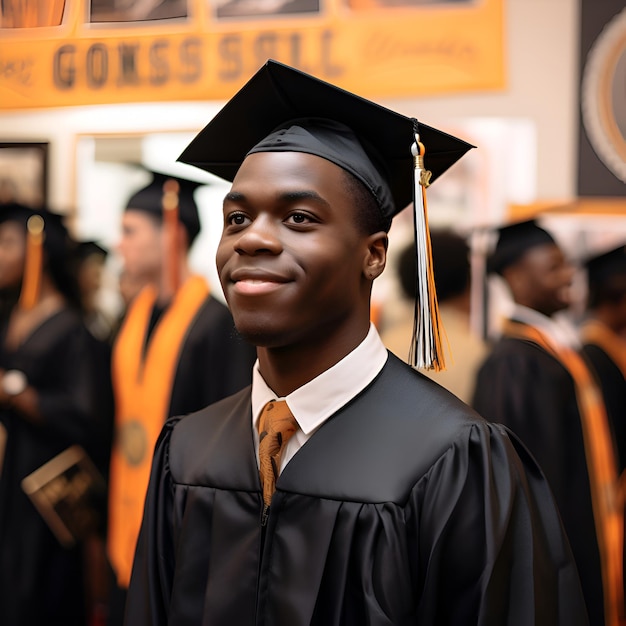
point(313, 403)
point(556, 330)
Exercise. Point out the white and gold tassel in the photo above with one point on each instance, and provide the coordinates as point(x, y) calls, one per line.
point(426, 346)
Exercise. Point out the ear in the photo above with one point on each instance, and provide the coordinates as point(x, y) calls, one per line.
point(516, 279)
point(376, 257)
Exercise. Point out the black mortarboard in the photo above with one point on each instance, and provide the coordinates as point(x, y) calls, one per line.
point(85, 249)
point(281, 109)
point(513, 241)
point(605, 266)
point(150, 200)
point(277, 95)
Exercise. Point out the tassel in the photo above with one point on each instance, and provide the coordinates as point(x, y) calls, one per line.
point(33, 263)
point(170, 226)
point(426, 346)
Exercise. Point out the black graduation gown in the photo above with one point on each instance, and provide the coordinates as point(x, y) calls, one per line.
point(405, 507)
point(215, 361)
point(40, 581)
point(523, 387)
point(613, 385)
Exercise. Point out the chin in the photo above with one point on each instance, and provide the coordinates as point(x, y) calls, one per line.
point(259, 331)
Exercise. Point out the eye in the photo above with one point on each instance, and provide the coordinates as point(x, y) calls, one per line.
point(299, 217)
point(236, 219)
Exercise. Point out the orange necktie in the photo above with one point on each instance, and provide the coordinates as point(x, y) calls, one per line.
point(276, 427)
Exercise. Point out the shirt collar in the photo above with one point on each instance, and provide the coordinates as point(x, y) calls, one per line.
point(556, 329)
point(313, 403)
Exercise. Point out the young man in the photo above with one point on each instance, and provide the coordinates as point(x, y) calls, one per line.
point(394, 504)
point(536, 383)
point(176, 351)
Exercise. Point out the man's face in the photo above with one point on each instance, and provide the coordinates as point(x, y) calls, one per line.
point(140, 245)
point(544, 279)
point(291, 259)
point(12, 252)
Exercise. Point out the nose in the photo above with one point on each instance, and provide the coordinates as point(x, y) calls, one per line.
point(262, 236)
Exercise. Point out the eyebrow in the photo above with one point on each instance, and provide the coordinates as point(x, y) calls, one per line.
point(288, 196)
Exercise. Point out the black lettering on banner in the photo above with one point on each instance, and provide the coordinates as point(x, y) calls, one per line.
point(159, 66)
point(97, 63)
point(191, 59)
point(64, 67)
point(328, 69)
point(229, 50)
point(265, 47)
point(128, 64)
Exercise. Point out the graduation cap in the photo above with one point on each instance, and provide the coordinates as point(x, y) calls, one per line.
point(85, 249)
point(285, 110)
point(606, 276)
point(151, 197)
point(45, 232)
point(513, 241)
point(603, 267)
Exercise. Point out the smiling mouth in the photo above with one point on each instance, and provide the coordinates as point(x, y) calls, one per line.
point(255, 286)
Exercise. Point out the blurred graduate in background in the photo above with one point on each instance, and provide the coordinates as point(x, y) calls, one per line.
point(176, 351)
point(47, 403)
point(535, 382)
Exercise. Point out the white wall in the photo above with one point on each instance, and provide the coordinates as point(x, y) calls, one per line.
point(542, 86)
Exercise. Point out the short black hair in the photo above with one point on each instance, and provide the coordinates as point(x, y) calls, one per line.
point(451, 264)
point(610, 291)
point(368, 215)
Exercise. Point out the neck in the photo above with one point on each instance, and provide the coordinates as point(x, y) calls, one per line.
point(288, 368)
point(48, 292)
point(166, 290)
point(460, 302)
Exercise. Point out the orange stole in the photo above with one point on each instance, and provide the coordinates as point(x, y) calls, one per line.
point(143, 390)
point(596, 333)
point(606, 497)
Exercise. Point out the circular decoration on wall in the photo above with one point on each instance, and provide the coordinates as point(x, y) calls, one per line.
point(603, 96)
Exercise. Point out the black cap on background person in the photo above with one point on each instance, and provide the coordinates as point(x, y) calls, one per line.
point(150, 200)
point(514, 241)
point(606, 275)
point(281, 109)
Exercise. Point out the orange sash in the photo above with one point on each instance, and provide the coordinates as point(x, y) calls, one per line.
point(143, 388)
point(606, 497)
point(596, 333)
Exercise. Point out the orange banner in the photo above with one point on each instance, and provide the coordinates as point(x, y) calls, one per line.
point(59, 53)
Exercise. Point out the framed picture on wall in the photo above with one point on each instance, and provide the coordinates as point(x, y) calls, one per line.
point(24, 173)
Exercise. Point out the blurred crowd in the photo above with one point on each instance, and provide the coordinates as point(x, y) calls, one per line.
point(84, 396)
point(552, 371)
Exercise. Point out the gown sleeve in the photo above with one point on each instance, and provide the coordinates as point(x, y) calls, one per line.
point(492, 548)
point(150, 588)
